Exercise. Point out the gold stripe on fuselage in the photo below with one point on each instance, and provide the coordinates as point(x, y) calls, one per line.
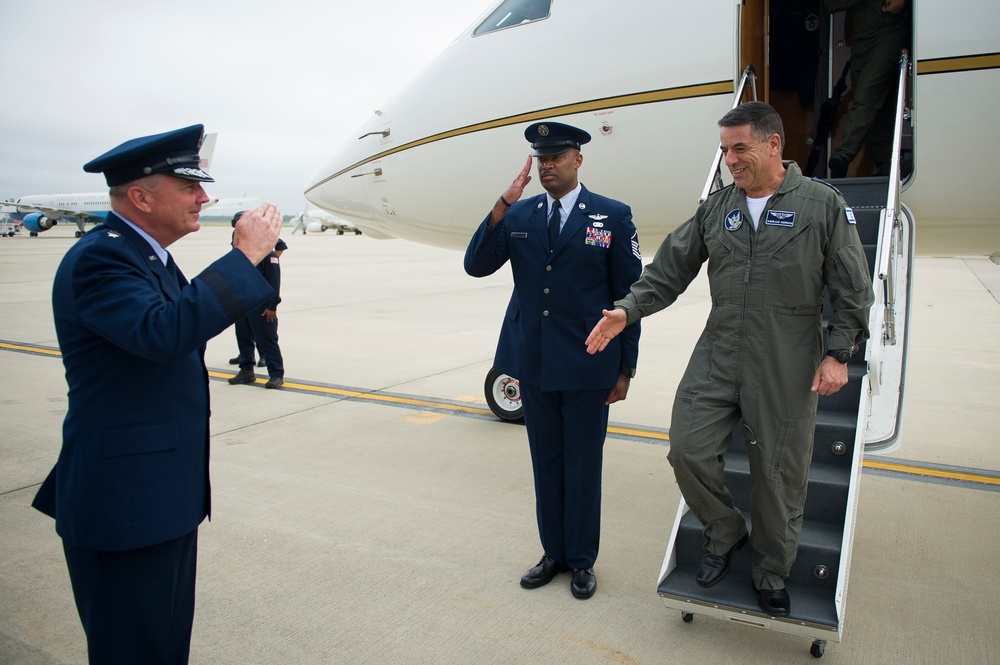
point(621, 101)
point(947, 65)
point(965, 63)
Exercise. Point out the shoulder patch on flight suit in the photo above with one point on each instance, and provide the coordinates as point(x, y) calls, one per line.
point(734, 220)
point(850, 215)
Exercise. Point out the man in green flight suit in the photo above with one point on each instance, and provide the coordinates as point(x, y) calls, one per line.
point(773, 239)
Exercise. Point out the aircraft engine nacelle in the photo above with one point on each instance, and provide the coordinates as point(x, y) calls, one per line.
point(37, 222)
point(316, 227)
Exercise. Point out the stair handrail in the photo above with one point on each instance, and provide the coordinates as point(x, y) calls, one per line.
point(749, 77)
point(890, 224)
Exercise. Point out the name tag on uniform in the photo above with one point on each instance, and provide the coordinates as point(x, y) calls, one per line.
point(518, 234)
point(780, 218)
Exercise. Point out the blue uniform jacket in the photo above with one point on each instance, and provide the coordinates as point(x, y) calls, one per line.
point(133, 469)
point(270, 269)
point(558, 296)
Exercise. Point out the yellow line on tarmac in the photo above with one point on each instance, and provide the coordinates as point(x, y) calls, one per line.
point(934, 473)
point(636, 432)
point(375, 397)
point(642, 433)
point(31, 349)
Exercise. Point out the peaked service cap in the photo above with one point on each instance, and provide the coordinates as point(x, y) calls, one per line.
point(554, 138)
point(173, 153)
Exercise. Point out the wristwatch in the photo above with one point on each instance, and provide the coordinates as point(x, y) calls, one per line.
point(843, 356)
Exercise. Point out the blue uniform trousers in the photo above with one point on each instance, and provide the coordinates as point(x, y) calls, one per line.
point(136, 606)
point(566, 431)
point(255, 329)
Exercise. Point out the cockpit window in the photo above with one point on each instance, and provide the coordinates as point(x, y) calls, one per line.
point(512, 13)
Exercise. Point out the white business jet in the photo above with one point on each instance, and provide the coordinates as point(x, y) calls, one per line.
point(649, 80)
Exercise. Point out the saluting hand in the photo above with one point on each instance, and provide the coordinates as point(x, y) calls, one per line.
point(606, 330)
point(512, 194)
point(257, 232)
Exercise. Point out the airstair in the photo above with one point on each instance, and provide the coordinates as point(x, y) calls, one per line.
point(862, 416)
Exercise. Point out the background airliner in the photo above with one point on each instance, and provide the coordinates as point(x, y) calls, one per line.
point(319, 221)
point(40, 212)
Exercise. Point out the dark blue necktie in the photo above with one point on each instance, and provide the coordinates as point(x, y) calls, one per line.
point(554, 221)
point(172, 269)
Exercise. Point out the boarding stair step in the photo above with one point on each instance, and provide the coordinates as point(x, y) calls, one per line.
point(812, 597)
point(813, 581)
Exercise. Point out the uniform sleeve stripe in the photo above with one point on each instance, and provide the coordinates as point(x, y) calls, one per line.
point(230, 302)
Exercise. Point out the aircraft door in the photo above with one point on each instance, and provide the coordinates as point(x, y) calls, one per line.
point(800, 51)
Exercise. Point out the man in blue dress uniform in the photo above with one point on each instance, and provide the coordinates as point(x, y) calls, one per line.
point(572, 253)
point(131, 484)
point(260, 327)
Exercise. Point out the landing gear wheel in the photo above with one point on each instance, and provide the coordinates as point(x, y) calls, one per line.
point(503, 395)
point(817, 648)
point(687, 617)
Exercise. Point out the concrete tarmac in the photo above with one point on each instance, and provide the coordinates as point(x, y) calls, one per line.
point(375, 512)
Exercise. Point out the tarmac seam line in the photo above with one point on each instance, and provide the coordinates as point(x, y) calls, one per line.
point(981, 479)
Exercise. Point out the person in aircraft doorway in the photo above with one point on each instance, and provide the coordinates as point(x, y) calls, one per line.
point(879, 31)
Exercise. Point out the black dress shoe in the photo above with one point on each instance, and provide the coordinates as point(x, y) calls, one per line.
point(838, 166)
point(774, 602)
point(274, 382)
point(261, 363)
point(584, 583)
point(234, 361)
point(714, 566)
point(243, 376)
point(543, 573)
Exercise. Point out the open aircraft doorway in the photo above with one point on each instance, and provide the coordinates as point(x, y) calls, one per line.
point(802, 55)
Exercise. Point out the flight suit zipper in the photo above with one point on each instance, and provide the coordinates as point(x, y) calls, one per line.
point(743, 310)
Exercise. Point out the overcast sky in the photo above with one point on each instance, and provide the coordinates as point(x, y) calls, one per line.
point(283, 82)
